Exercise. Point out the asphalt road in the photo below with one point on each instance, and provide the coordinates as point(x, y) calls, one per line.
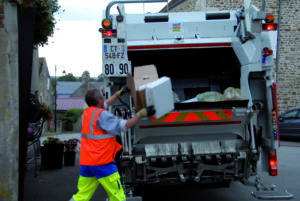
point(60, 184)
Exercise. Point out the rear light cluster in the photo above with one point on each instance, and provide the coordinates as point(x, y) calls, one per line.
point(273, 169)
point(109, 33)
point(269, 25)
point(273, 163)
point(107, 30)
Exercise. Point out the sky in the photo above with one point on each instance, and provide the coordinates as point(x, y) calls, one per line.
point(76, 43)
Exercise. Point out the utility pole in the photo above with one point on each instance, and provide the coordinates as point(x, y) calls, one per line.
point(55, 97)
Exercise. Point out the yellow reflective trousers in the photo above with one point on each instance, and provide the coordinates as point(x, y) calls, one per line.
point(88, 185)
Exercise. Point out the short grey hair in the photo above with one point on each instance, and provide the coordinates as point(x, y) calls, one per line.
point(92, 96)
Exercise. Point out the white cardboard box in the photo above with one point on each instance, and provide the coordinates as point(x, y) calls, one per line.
point(159, 94)
point(147, 89)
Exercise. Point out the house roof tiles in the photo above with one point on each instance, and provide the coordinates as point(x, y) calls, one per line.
point(69, 103)
point(67, 87)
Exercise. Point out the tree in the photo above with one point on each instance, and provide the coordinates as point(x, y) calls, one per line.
point(100, 77)
point(85, 75)
point(68, 77)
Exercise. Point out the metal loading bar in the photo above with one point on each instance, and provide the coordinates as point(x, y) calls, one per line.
point(199, 148)
point(108, 7)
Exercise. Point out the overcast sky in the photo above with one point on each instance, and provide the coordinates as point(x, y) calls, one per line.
point(76, 43)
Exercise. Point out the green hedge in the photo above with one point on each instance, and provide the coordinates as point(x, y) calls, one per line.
point(72, 116)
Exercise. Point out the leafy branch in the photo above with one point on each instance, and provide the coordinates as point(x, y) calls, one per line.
point(44, 17)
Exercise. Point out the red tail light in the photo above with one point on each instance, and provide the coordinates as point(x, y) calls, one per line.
point(269, 27)
point(273, 163)
point(109, 33)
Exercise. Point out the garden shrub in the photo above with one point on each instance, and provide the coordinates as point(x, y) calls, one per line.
point(72, 116)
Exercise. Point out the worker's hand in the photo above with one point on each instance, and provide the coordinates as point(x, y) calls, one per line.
point(123, 91)
point(146, 112)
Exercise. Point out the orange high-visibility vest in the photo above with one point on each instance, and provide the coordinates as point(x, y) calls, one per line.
point(97, 146)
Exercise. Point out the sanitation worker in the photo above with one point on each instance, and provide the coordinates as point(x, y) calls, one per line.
point(99, 146)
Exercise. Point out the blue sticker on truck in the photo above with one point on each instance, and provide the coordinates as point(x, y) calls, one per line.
point(176, 27)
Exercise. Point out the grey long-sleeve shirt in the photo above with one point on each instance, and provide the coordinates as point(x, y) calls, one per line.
point(110, 123)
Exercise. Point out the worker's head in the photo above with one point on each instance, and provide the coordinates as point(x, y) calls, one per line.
point(94, 98)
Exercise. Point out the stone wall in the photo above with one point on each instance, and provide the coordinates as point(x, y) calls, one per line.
point(288, 82)
point(41, 83)
point(11, 177)
point(78, 125)
point(45, 86)
point(1, 16)
point(9, 107)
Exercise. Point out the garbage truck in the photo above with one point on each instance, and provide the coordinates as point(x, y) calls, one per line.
point(207, 52)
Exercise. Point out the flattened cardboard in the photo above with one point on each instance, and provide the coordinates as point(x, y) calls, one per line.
point(142, 75)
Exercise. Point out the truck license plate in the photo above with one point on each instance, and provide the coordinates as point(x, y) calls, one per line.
point(115, 61)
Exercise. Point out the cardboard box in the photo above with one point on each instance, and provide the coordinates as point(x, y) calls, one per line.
point(159, 94)
point(146, 89)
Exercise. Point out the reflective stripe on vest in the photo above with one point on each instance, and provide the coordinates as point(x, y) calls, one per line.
point(91, 135)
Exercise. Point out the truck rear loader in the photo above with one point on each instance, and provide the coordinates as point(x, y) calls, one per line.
point(200, 141)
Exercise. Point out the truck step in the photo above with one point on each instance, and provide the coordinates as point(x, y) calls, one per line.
point(137, 198)
point(272, 195)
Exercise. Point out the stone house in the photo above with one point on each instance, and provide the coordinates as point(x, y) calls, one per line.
point(71, 95)
point(81, 91)
point(41, 82)
point(287, 15)
point(63, 105)
point(66, 89)
point(75, 89)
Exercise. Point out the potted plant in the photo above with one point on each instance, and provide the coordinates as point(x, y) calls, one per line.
point(46, 113)
point(70, 151)
point(52, 153)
